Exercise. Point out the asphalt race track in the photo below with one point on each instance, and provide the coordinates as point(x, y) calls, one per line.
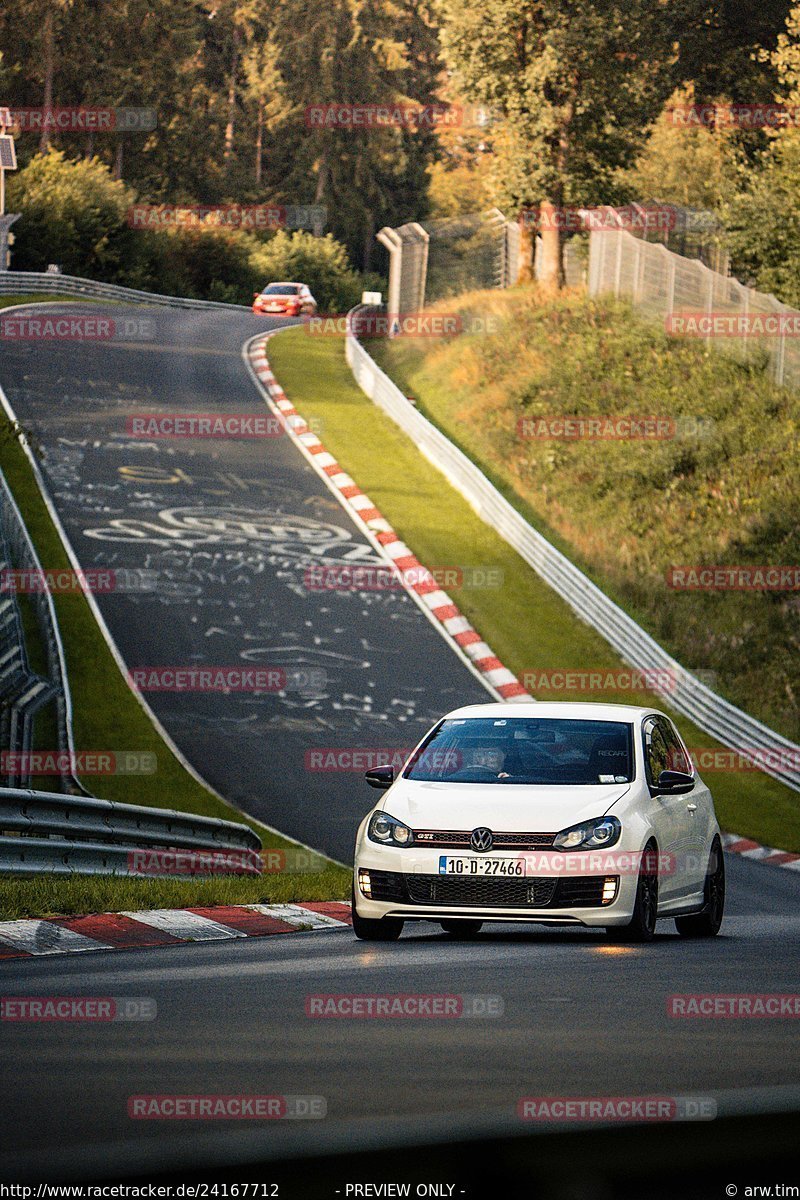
point(582, 1017)
point(211, 541)
point(224, 531)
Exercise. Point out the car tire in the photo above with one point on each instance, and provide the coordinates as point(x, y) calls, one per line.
point(462, 928)
point(642, 925)
point(706, 924)
point(384, 929)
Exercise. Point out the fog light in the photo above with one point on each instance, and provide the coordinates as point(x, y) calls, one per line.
point(609, 889)
point(364, 883)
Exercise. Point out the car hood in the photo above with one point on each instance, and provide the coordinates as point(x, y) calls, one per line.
point(503, 807)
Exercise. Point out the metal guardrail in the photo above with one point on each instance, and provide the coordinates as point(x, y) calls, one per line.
point(14, 283)
point(47, 831)
point(23, 556)
point(776, 755)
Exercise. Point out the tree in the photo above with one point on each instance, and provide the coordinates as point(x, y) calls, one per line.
point(265, 89)
point(382, 52)
point(578, 83)
point(53, 10)
point(719, 43)
point(763, 221)
point(693, 165)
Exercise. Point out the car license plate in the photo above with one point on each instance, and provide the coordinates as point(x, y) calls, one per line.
point(481, 866)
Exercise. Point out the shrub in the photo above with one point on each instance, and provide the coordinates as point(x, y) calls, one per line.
point(73, 213)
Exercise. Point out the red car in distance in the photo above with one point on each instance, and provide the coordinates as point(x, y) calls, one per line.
point(284, 300)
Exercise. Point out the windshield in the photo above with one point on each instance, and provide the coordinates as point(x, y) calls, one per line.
point(525, 750)
point(281, 289)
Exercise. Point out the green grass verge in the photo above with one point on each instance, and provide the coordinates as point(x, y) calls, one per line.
point(524, 621)
point(107, 715)
point(51, 895)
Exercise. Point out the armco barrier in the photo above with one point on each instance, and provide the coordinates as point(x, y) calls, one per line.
point(24, 557)
point(47, 831)
point(688, 695)
point(14, 283)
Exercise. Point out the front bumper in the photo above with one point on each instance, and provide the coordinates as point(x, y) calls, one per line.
point(406, 883)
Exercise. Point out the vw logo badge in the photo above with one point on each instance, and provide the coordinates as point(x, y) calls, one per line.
point(481, 839)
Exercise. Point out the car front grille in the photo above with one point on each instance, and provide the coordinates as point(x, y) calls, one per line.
point(454, 891)
point(458, 839)
point(480, 892)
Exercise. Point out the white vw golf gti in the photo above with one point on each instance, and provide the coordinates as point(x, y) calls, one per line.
point(580, 814)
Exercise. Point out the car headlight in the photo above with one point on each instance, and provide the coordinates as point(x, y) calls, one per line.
point(387, 831)
point(589, 835)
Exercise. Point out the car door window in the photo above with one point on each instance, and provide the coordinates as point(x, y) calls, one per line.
point(678, 759)
point(656, 752)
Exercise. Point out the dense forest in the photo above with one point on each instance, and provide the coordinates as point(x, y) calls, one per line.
point(514, 104)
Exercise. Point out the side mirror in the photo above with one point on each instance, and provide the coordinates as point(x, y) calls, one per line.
point(256, 295)
point(380, 777)
point(673, 783)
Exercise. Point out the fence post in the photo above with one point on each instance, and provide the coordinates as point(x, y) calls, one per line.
point(709, 298)
point(618, 267)
point(745, 293)
point(389, 238)
point(780, 362)
point(672, 263)
point(637, 269)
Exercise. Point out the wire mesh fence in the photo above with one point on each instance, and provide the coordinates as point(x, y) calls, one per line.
point(694, 301)
point(466, 254)
point(431, 261)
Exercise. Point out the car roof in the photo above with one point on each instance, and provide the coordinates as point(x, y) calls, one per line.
point(565, 709)
point(284, 283)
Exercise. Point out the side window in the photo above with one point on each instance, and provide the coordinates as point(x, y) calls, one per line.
point(656, 752)
point(678, 759)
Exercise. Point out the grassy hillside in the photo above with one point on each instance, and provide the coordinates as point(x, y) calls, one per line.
point(724, 490)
